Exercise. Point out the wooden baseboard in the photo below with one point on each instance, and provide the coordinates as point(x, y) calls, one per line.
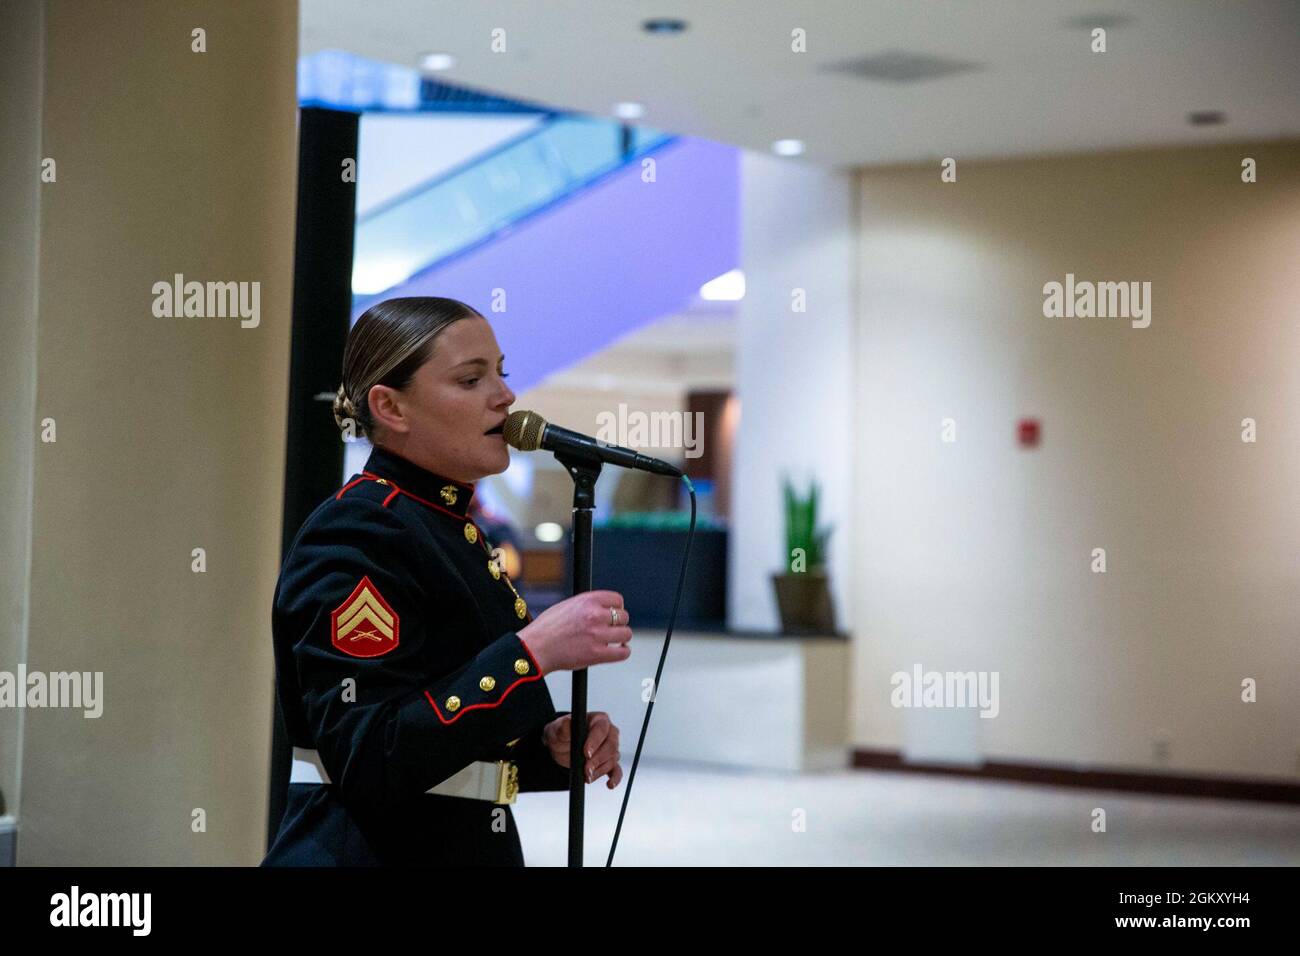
point(1182, 785)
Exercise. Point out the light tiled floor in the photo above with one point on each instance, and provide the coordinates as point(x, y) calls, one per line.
point(684, 815)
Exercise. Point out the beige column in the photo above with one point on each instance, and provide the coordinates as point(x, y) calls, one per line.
point(20, 153)
point(155, 522)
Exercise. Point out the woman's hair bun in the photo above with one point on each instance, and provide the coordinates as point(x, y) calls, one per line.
point(344, 410)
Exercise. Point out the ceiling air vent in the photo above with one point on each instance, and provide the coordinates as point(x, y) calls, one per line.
point(901, 66)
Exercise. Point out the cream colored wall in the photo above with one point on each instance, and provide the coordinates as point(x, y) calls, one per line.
point(976, 555)
point(170, 432)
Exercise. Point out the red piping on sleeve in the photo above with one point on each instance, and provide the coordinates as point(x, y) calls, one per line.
point(465, 710)
point(529, 652)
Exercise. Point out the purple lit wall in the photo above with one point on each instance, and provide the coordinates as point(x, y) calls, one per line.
point(616, 256)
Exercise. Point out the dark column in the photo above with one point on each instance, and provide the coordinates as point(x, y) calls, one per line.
point(322, 307)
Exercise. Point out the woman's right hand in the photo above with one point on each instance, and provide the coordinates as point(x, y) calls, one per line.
point(578, 632)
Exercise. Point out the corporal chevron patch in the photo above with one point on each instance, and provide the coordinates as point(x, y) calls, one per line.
point(365, 625)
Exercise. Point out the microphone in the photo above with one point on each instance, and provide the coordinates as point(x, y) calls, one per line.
point(528, 431)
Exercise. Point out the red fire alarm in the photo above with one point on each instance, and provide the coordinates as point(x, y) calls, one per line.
point(1029, 432)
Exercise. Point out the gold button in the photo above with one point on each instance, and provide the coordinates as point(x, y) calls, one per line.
point(521, 666)
point(448, 494)
point(487, 683)
point(471, 533)
point(453, 702)
point(521, 609)
point(381, 481)
point(496, 572)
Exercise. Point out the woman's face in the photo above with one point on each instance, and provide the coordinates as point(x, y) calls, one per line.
point(441, 420)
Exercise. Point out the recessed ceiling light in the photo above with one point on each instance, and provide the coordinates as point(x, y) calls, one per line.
point(629, 110)
point(664, 25)
point(1206, 117)
point(900, 66)
point(788, 147)
point(436, 62)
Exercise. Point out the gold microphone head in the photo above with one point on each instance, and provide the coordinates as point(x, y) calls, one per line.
point(523, 430)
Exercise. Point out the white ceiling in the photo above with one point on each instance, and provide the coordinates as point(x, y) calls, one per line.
point(731, 76)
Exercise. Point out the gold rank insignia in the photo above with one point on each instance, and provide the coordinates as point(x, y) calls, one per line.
point(364, 625)
point(471, 533)
point(448, 493)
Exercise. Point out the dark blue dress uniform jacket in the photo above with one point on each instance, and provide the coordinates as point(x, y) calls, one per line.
point(398, 658)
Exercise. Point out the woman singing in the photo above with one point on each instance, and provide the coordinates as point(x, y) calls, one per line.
point(408, 667)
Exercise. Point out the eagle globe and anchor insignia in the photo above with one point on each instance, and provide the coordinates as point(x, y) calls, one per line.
point(364, 625)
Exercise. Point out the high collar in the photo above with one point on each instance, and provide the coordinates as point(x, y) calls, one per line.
point(445, 493)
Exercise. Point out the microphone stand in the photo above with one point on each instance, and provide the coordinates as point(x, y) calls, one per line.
point(584, 472)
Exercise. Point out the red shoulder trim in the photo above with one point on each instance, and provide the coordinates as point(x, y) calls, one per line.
point(370, 476)
point(354, 481)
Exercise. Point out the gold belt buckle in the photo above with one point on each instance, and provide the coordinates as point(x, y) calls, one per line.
point(507, 781)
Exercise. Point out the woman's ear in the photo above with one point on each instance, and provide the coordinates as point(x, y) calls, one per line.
point(386, 409)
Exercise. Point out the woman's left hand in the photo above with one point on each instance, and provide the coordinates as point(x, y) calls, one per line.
point(601, 746)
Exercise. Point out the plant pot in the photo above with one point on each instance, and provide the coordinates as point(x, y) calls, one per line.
point(804, 600)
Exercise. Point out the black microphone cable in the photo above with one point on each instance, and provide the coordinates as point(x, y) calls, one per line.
point(654, 691)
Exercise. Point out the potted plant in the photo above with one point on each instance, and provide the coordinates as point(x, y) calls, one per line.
point(803, 592)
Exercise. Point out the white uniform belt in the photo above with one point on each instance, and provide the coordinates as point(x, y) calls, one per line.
point(494, 780)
